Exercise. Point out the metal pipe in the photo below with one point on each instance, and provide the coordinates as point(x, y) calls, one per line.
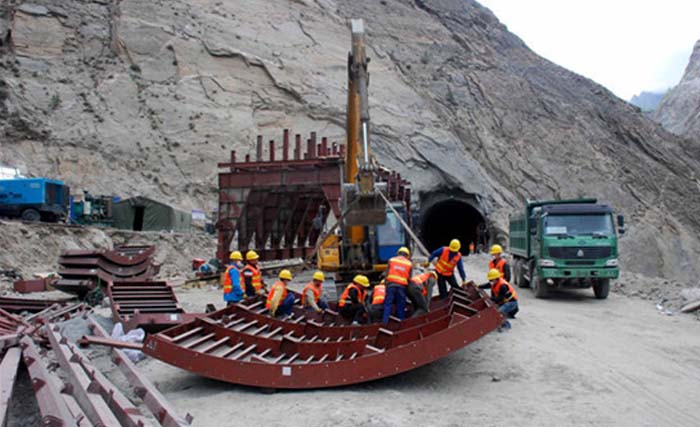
point(365, 146)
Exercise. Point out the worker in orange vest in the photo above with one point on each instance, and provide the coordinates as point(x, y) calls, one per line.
point(471, 248)
point(376, 302)
point(312, 295)
point(279, 301)
point(252, 275)
point(503, 294)
point(420, 288)
point(448, 257)
point(498, 262)
point(352, 301)
point(233, 292)
point(398, 272)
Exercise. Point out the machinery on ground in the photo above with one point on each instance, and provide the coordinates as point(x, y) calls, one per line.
point(87, 209)
point(565, 244)
point(34, 199)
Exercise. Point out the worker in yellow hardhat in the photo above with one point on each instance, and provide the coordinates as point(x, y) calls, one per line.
point(279, 301)
point(503, 294)
point(398, 272)
point(420, 289)
point(233, 291)
point(312, 296)
point(252, 275)
point(499, 262)
point(376, 302)
point(351, 303)
point(448, 257)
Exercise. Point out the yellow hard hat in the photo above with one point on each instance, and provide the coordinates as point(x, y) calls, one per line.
point(285, 275)
point(251, 255)
point(496, 249)
point(236, 256)
point(493, 274)
point(404, 250)
point(319, 276)
point(455, 245)
point(361, 280)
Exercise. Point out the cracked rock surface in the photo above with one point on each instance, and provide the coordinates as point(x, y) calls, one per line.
point(145, 97)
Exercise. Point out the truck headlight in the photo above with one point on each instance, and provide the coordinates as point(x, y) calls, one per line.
point(611, 262)
point(546, 263)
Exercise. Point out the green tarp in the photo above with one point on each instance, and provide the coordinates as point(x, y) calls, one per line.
point(141, 213)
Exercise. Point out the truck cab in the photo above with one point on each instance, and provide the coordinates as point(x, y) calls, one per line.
point(34, 199)
point(565, 244)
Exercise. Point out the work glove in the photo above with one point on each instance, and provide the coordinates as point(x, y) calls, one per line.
point(318, 310)
point(426, 264)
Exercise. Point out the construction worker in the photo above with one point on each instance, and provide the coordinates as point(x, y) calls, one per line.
point(503, 294)
point(252, 275)
point(420, 288)
point(233, 292)
point(376, 301)
point(279, 301)
point(448, 257)
point(399, 271)
point(498, 262)
point(351, 302)
point(472, 248)
point(311, 296)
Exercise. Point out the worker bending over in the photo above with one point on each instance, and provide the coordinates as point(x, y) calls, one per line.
point(312, 296)
point(419, 290)
point(503, 294)
point(498, 262)
point(233, 292)
point(448, 257)
point(376, 302)
point(279, 301)
point(351, 302)
point(399, 272)
point(252, 275)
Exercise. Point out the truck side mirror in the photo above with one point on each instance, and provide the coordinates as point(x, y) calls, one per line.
point(621, 221)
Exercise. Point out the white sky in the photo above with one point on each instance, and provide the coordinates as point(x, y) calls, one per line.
point(626, 45)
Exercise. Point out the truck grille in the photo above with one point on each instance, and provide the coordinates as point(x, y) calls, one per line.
point(585, 252)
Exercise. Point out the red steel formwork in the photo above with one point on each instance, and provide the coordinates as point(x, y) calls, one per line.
point(261, 352)
point(278, 204)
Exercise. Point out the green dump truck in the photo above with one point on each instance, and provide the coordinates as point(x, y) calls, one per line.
point(565, 244)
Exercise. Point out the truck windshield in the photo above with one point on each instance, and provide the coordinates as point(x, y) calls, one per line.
point(578, 225)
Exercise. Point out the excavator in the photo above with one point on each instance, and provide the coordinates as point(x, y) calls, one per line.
point(371, 227)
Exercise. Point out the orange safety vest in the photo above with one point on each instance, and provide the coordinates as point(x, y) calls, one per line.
point(378, 294)
point(345, 297)
point(471, 247)
point(228, 286)
point(257, 276)
point(496, 289)
point(446, 266)
point(399, 270)
point(272, 292)
point(421, 280)
point(500, 265)
point(316, 290)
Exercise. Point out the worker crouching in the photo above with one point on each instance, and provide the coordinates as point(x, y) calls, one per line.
point(233, 278)
point(279, 301)
point(503, 294)
point(252, 275)
point(312, 296)
point(399, 272)
point(351, 302)
point(420, 289)
point(376, 302)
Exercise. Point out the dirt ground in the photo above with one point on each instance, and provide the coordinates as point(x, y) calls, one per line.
point(569, 360)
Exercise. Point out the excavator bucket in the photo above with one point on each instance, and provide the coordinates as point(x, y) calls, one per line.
point(363, 208)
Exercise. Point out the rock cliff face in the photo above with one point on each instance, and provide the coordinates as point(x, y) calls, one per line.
point(647, 101)
point(144, 97)
point(679, 111)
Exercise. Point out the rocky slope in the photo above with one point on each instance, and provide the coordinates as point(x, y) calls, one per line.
point(137, 97)
point(679, 111)
point(647, 101)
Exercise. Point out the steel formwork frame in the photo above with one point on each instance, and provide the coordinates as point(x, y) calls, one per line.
point(275, 205)
point(271, 204)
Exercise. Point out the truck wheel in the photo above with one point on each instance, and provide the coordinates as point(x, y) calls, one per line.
point(31, 215)
point(519, 275)
point(539, 286)
point(601, 288)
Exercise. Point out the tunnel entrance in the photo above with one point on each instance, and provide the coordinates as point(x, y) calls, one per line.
point(451, 218)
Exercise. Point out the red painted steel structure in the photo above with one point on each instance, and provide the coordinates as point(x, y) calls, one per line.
point(241, 354)
point(278, 204)
point(8, 373)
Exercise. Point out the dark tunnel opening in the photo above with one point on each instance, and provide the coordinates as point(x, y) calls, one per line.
point(453, 219)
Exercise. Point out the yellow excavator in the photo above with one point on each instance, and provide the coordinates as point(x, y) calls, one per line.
point(369, 231)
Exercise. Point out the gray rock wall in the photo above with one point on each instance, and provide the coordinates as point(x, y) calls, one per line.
point(679, 111)
point(135, 97)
